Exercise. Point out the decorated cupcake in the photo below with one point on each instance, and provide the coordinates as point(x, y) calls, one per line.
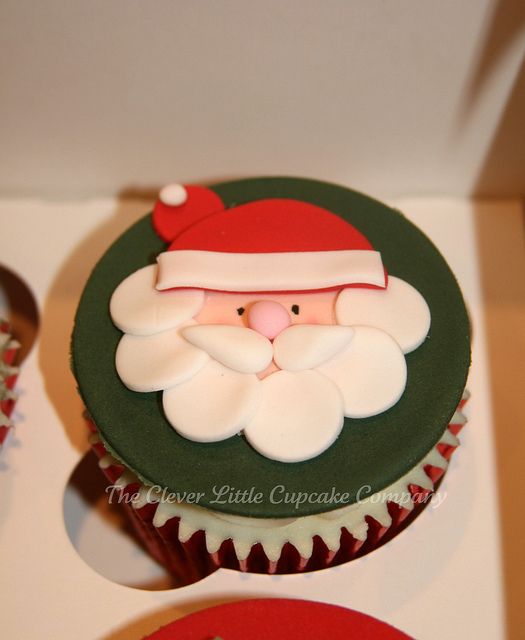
point(271, 368)
point(8, 375)
point(279, 619)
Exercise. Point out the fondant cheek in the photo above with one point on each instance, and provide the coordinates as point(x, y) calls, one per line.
point(315, 308)
point(268, 318)
point(223, 308)
point(213, 316)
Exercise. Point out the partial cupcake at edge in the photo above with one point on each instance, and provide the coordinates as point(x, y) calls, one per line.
point(277, 618)
point(9, 348)
point(273, 371)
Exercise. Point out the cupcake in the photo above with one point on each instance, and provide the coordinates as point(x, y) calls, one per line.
point(274, 371)
point(8, 375)
point(278, 619)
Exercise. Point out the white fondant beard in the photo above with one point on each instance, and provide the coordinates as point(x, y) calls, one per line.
point(211, 391)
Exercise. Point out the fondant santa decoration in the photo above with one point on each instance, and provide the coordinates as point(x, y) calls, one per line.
point(273, 319)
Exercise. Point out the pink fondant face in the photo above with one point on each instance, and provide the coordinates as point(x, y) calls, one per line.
point(268, 313)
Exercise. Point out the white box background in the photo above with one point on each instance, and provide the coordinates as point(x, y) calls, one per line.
point(393, 97)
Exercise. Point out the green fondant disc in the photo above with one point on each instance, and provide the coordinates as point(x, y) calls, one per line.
point(370, 453)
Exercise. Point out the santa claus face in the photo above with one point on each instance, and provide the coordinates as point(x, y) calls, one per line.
point(283, 369)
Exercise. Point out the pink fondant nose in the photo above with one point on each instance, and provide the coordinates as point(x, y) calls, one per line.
point(268, 318)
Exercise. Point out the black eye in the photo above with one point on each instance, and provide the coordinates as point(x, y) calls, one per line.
point(295, 309)
point(240, 310)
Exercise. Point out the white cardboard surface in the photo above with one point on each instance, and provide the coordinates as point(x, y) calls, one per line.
point(440, 578)
point(396, 97)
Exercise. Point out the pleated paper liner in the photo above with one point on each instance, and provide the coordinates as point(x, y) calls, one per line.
point(190, 550)
point(8, 376)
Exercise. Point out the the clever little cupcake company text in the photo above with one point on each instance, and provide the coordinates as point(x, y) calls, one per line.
point(279, 494)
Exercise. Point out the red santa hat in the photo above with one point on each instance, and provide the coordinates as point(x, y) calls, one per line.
point(269, 245)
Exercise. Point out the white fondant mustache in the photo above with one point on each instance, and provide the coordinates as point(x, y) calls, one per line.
point(297, 348)
point(307, 346)
point(238, 348)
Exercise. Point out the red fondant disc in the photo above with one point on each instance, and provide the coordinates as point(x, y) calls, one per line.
point(278, 619)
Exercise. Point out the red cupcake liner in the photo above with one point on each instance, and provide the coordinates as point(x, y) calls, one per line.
point(189, 560)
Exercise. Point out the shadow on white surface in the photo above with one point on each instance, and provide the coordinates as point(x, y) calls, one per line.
point(102, 534)
point(60, 307)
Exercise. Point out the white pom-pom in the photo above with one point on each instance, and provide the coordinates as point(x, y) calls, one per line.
point(173, 195)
